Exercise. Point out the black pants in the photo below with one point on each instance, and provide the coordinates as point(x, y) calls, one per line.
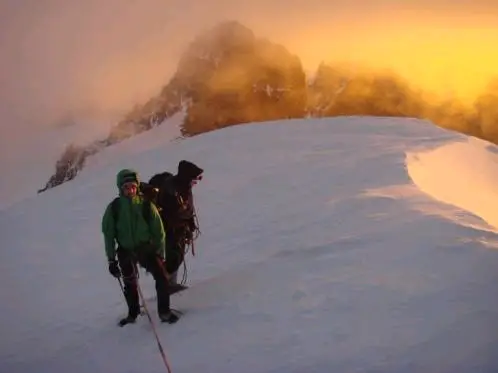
point(152, 263)
point(175, 248)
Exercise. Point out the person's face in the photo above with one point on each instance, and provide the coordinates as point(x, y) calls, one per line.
point(196, 180)
point(130, 189)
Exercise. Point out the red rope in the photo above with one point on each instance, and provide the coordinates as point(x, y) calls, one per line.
point(159, 345)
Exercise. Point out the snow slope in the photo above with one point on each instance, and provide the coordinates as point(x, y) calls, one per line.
point(30, 163)
point(463, 174)
point(326, 246)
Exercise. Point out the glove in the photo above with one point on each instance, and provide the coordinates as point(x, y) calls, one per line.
point(188, 236)
point(114, 268)
point(161, 261)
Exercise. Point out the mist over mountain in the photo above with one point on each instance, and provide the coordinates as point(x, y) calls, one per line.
point(226, 76)
point(229, 76)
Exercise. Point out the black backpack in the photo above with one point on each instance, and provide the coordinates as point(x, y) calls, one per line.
point(165, 196)
point(149, 192)
point(158, 180)
point(161, 183)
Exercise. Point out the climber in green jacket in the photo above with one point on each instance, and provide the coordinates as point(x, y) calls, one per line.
point(134, 225)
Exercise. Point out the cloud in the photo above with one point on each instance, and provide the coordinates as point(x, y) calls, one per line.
point(60, 56)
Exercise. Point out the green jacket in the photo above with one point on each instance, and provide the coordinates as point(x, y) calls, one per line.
point(132, 230)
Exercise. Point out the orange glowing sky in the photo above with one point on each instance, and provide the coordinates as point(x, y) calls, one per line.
point(59, 54)
point(446, 55)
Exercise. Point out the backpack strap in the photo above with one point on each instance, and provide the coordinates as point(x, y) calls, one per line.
point(115, 215)
point(147, 211)
point(115, 209)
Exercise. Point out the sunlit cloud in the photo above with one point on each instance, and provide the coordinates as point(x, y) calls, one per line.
point(60, 56)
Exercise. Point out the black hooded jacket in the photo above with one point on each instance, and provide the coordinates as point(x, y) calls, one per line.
point(175, 196)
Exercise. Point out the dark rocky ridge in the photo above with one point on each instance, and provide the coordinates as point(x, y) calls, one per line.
point(228, 76)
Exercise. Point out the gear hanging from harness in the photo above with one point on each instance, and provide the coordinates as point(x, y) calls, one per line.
point(174, 201)
point(185, 236)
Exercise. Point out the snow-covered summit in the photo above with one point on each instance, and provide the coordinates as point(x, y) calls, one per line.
point(324, 248)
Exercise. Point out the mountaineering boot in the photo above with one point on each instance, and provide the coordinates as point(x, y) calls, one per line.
point(168, 317)
point(176, 288)
point(130, 319)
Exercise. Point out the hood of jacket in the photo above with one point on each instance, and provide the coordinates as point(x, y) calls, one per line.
point(125, 176)
point(188, 171)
